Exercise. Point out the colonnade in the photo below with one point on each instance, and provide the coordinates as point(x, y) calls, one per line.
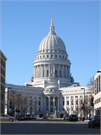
point(60, 104)
point(55, 70)
point(48, 106)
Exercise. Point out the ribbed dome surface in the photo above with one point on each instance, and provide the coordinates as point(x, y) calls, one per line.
point(52, 42)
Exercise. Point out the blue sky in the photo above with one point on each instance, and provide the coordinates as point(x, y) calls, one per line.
point(25, 23)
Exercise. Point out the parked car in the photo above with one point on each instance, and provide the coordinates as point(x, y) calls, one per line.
point(66, 118)
point(28, 117)
point(73, 118)
point(94, 121)
point(44, 117)
point(20, 117)
point(5, 117)
point(33, 116)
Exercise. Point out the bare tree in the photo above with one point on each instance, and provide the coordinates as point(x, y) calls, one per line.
point(90, 85)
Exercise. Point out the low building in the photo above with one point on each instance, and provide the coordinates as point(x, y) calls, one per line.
point(97, 97)
point(2, 80)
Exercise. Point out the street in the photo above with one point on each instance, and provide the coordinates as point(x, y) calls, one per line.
point(47, 127)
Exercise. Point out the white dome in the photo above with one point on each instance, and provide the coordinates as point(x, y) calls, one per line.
point(52, 42)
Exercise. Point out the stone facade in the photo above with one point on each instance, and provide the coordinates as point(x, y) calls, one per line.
point(2, 80)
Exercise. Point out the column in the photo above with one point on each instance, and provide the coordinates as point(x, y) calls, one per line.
point(53, 70)
point(49, 104)
point(74, 103)
point(65, 104)
point(44, 104)
point(78, 105)
point(41, 104)
point(39, 70)
point(69, 105)
point(53, 104)
point(66, 71)
point(37, 109)
point(34, 71)
point(58, 103)
point(61, 103)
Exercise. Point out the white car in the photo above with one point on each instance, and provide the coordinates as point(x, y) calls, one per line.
point(5, 117)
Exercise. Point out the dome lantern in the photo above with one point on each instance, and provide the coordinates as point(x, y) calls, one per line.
point(52, 27)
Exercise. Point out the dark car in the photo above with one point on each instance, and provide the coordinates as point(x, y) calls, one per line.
point(20, 117)
point(73, 118)
point(28, 117)
point(95, 121)
point(44, 117)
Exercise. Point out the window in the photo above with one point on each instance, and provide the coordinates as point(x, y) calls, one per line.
point(55, 73)
point(39, 97)
point(60, 73)
point(47, 73)
point(43, 73)
point(47, 56)
point(40, 56)
point(35, 97)
point(76, 102)
point(71, 102)
point(51, 103)
point(43, 56)
point(99, 83)
point(67, 102)
point(51, 109)
point(59, 56)
point(39, 102)
point(63, 57)
point(55, 56)
point(63, 102)
point(51, 56)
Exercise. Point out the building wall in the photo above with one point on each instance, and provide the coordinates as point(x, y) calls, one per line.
point(2, 80)
point(97, 97)
point(53, 101)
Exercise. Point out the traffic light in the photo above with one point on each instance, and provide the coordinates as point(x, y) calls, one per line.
point(10, 102)
point(83, 106)
point(92, 99)
point(10, 105)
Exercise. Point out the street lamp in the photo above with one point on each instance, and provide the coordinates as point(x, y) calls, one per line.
point(84, 101)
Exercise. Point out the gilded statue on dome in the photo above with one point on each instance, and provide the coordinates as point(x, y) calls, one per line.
point(52, 21)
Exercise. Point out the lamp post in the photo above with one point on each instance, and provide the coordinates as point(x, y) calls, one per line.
point(84, 101)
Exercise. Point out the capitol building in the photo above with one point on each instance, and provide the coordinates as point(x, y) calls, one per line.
point(51, 90)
